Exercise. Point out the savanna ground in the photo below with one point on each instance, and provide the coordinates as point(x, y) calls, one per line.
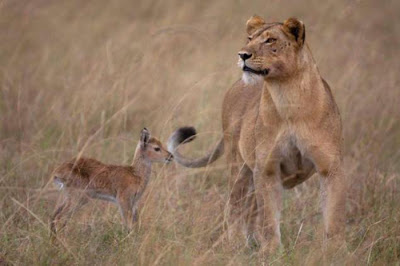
point(87, 76)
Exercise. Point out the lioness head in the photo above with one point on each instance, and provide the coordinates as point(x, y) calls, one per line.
point(272, 50)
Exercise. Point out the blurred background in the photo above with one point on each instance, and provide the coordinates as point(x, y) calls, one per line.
point(87, 76)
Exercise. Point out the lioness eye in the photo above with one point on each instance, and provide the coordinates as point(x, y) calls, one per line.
point(270, 40)
point(249, 38)
point(157, 149)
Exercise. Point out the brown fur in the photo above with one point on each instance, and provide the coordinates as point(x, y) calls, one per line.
point(85, 178)
point(278, 132)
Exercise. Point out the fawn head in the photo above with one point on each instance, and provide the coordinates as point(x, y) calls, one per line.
point(153, 149)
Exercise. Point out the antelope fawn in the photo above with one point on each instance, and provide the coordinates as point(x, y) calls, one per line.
point(86, 178)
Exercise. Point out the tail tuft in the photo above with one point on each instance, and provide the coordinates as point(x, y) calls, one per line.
point(185, 134)
point(181, 135)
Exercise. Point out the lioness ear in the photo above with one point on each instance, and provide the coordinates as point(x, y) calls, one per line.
point(296, 28)
point(144, 137)
point(254, 23)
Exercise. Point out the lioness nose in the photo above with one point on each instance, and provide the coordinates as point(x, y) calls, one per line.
point(244, 55)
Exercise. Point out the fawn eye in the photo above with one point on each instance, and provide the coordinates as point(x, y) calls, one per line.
point(157, 149)
point(249, 38)
point(270, 40)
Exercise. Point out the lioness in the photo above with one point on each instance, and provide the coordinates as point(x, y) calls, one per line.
point(280, 125)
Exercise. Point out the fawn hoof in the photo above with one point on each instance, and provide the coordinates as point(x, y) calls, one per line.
point(252, 242)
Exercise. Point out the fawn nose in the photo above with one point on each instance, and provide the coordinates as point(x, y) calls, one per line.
point(170, 157)
point(244, 55)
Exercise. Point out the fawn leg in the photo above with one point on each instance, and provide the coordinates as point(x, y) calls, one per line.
point(126, 208)
point(74, 206)
point(57, 214)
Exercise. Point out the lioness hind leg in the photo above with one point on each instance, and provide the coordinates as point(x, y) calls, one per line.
point(242, 200)
point(250, 215)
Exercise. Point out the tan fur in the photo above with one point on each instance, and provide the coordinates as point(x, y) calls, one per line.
point(85, 178)
point(279, 132)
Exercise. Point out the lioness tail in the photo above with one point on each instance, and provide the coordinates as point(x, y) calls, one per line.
point(184, 135)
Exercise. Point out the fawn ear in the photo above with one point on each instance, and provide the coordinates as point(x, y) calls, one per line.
point(144, 137)
point(254, 23)
point(296, 28)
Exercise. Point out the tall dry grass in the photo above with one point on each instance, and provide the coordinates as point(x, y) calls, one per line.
point(86, 76)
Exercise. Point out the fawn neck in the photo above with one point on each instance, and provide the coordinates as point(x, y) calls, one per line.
point(141, 164)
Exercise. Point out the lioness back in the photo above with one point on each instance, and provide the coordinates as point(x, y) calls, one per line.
point(239, 111)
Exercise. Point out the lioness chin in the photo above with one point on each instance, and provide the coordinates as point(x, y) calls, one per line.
point(280, 126)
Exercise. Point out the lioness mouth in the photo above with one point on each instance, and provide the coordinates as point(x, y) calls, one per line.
point(258, 72)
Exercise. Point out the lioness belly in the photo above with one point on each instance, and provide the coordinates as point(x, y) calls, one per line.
point(294, 167)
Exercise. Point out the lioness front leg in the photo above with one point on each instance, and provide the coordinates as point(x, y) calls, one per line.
point(333, 193)
point(268, 191)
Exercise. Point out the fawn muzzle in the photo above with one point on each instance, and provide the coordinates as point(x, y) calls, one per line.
point(169, 158)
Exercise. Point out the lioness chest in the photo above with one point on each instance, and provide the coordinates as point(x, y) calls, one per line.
point(253, 137)
point(293, 165)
